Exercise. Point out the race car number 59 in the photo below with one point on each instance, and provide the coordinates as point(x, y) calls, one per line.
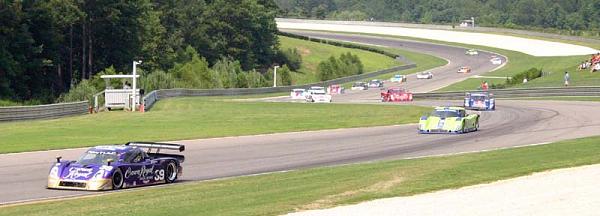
point(159, 175)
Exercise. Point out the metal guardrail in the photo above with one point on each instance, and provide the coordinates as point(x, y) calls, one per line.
point(15, 113)
point(156, 95)
point(517, 93)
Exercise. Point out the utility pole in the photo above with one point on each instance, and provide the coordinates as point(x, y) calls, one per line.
point(133, 89)
point(275, 76)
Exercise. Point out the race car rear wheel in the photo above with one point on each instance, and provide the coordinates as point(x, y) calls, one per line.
point(171, 172)
point(117, 179)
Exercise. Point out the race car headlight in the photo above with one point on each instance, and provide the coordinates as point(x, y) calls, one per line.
point(54, 171)
point(99, 174)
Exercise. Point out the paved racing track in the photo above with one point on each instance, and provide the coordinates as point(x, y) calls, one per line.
point(514, 123)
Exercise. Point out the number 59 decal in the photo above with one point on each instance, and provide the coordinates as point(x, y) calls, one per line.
point(159, 175)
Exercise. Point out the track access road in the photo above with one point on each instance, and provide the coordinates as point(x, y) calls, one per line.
point(514, 123)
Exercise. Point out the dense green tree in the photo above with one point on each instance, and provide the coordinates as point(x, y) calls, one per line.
point(49, 46)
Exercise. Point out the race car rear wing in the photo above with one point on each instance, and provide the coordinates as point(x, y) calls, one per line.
point(157, 146)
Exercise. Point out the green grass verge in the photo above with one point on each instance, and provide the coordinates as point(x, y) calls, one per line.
point(519, 62)
point(313, 53)
point(280, 193)
point(191, 118)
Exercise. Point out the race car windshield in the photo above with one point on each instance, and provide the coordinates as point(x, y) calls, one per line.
point(95, 157)
point(319, 93)
point(395, 91)
point(446, 114)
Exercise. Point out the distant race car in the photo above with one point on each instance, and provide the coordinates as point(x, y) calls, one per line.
point(335, 89)
point(360, 86)
point(395, 94)
point(425, 75)
point(596, 67)
point(118, 166)
point(480, 101)
point(464, 69)
point(398, 78)
point(449, 120)
point(471, 52)
point(319, 97)
point(298, 94)
point(375, 84)
point(496, 61)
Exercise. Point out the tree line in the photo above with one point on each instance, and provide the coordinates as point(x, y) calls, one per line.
point(571, 16)
point(49, 46)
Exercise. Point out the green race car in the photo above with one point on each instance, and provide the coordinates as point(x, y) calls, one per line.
point(449, 120)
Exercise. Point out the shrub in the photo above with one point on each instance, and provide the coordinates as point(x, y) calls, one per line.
point(84, 90)
point(290, 57)
point(157, 80)
point(286, 77)
point(530, 74)
point(227, 71)
point(332, 68)
point(255, 79)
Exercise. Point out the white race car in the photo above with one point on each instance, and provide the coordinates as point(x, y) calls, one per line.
point(471, 52)
point(425, 75)
point(596, 67)
point(298, 94)
point(496, 61)
point(319, 97)
point(360, 86)
point(398, 78)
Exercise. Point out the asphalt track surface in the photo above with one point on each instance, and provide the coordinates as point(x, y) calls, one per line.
point(514, 123)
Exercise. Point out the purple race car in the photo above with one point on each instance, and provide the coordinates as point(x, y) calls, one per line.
point(118, 166)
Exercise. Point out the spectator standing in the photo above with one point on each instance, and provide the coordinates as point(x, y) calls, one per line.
point(126, 85)
point(567, 78)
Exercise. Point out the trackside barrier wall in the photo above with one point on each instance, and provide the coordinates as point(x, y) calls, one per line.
point(49, 111)
point(154, 96)
point(517, 93)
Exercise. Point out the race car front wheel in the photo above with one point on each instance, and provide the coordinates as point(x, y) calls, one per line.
point(171, 172)
point(117, 179)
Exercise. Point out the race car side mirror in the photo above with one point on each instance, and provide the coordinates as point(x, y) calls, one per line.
point(109, 161)
point(58, 159)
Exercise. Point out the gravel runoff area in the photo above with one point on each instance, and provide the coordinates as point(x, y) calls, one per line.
point(571, 191)
point(528, 46)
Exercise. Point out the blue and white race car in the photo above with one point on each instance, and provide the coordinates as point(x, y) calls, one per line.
point(480, 101)
point(118, 166)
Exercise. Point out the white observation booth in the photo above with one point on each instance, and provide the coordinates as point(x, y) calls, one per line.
point(126, 97)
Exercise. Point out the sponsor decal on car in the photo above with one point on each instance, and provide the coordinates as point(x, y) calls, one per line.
point(76, 172)
point(142, 173)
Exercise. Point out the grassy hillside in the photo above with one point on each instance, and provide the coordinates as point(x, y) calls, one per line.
point(313, 53)
point(519, 62)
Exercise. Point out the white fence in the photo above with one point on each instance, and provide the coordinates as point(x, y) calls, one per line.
point(120, 98)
